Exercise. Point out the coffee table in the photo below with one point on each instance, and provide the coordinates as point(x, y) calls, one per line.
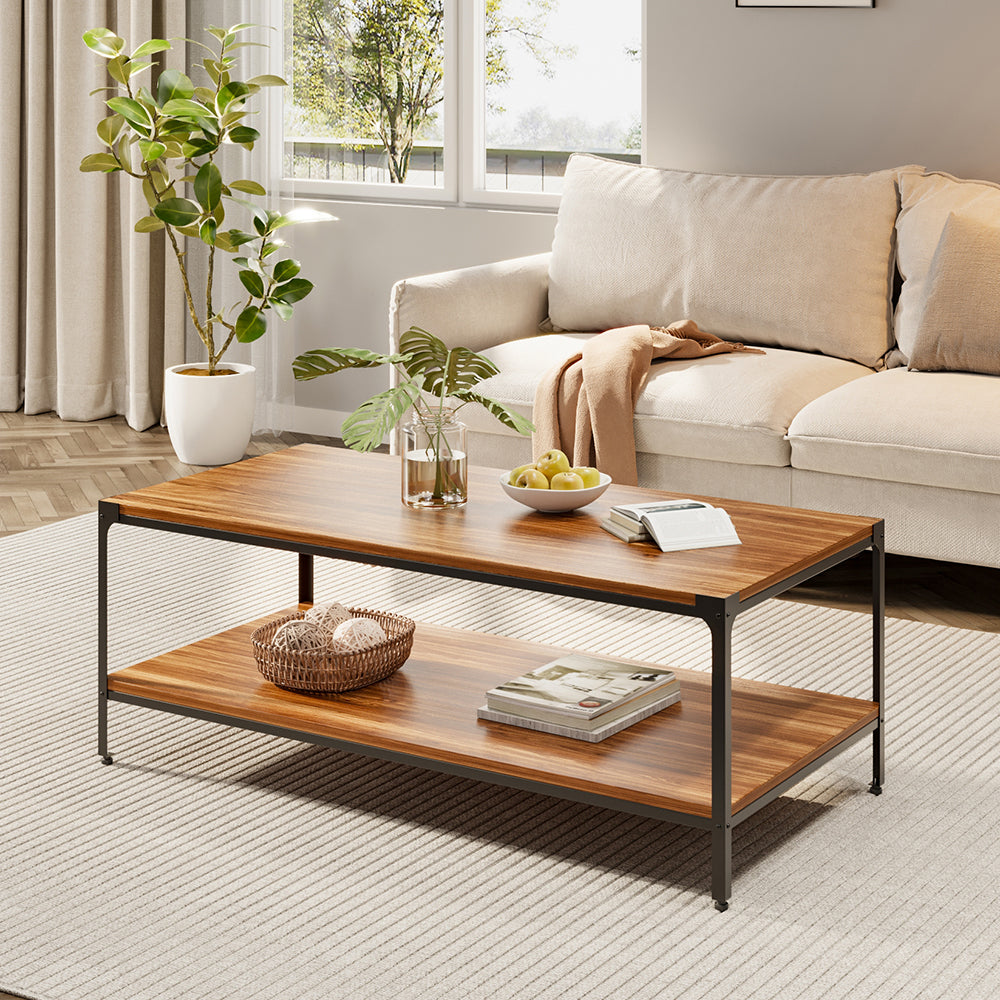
point(727, 749)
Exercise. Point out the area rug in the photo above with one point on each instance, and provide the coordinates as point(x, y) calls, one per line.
point(209, 864)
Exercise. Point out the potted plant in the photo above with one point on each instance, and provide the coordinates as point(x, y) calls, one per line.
point(433, 382)
point(167, 135)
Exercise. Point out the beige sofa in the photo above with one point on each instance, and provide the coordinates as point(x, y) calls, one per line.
point(875, 296)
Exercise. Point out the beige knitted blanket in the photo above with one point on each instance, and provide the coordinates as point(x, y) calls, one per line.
point(585, 405)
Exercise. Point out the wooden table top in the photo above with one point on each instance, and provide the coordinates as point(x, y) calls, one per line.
point(336, 498)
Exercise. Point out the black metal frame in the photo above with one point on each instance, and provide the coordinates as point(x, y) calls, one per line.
point(719, 614)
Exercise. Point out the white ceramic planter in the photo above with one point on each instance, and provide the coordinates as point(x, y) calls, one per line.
point(210, 420)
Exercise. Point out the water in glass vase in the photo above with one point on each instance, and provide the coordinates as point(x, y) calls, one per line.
point(435, 467)
point(428, 482)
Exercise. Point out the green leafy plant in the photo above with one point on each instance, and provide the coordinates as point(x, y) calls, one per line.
point(167, 135)
point(431, 378)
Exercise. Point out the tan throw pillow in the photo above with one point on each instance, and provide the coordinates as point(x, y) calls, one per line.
point(959, 326)
point(797, 262)
point(927, 202)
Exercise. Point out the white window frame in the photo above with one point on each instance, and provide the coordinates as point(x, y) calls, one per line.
point(464, 117)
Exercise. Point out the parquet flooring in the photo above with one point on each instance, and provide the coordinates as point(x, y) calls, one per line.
point(52, 469)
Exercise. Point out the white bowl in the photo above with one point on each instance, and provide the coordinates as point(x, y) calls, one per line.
point(555, 501)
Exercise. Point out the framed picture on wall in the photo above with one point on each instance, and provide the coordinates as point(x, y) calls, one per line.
point(805, 3)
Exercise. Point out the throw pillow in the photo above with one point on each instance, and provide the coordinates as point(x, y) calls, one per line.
point(797, 262)
point(959, 325)
point(927, 200)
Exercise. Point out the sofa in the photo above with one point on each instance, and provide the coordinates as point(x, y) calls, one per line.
point(876, 299)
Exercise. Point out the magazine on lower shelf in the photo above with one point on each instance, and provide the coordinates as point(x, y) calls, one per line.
point(575, 687)
point(673, 524)
point(597, 729)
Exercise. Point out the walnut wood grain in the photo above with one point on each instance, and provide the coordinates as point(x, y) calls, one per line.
point(337, 498)
point(428, 709)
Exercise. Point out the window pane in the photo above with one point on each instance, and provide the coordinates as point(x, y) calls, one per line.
point(561, 77)
point(367, 91)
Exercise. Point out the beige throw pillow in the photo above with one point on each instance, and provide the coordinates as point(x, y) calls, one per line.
point(797, 262)
point(927, 201)
point(959, 326)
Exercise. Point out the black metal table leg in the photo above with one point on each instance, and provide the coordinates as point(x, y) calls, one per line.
point(306, 578)
point(105, 518)
point(720, 623)
point(878, 655)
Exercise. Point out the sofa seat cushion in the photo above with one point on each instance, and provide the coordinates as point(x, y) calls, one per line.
point(795, 262)
point(727, 408)
point(924, 428)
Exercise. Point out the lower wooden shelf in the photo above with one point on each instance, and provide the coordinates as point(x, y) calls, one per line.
point(428, 710)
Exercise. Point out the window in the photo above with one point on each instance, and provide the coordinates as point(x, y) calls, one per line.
point(480, 101)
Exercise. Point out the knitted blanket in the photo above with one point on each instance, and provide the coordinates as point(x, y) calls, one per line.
point(585, 405)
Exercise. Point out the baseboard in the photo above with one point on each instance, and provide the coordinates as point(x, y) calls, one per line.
point(307, 420)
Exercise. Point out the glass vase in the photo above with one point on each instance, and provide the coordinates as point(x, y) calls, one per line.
point(435, 466)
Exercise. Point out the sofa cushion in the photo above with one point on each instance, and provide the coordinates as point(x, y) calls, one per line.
point(959, 328)
point(925, 428)
point(798, 262)
point(727, 408)
point(927, 200)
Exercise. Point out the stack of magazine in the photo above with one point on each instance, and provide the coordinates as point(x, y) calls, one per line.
point(583, 697)
point(672, 524)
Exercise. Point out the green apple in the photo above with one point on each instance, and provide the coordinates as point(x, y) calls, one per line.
point(514, 473)
point(532, 479)
point(566, 481)
point(551, 462)
point(589, 475)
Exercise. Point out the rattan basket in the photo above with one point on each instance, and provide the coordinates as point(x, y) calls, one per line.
point(328, 671)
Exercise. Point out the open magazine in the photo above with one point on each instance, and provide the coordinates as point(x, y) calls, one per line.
point(678, 524)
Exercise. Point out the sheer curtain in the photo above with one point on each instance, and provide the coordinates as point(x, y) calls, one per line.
point(90, 311)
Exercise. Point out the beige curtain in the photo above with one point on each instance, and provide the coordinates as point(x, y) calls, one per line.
point(90, 311)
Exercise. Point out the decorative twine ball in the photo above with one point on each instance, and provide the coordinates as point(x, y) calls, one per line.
point(300, 636)
point(327, 616)
point(357, 634)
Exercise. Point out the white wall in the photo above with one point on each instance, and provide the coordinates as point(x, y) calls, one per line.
point(733, 90)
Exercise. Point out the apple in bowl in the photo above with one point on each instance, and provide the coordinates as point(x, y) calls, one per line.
point(552, 485)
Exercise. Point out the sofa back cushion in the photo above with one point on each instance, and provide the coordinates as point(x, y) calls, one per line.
point(927, 202)
point(959, 328)
point(797, 262)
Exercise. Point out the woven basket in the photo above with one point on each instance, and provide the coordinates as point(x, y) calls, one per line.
point(328, 671)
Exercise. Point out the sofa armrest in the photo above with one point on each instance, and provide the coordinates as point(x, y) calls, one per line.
point(474, 307)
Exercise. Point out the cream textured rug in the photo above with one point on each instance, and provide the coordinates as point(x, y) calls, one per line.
point(210, 864)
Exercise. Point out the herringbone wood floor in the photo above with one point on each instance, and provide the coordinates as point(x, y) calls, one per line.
point(51, 469)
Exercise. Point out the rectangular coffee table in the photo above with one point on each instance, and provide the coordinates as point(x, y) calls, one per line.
point(728, 748)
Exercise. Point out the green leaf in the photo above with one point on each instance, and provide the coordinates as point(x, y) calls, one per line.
point(253, 283)
point(135, 68)
point(172, 85)
point(148, 224)
point(213, 69)
point(237, 237)
point(251, 325)
point(118, 68)
point(440, 370)
point(207, 232)
point(368, 426)
point(151, 150)
point(244, 135)
point(292, 291)
point(177, 211)
point(153, 45)
point(509, 418)
point(223, 243)
point(249, 187)
point(283, 309)
point(133, 112)
point(215, 32)
point(193, 230)
point(99, 161)
point(267, 80)
point(208, 187)
point(297, 215)
point(286, 269)
point(104, 42)
point(108, 129)
point(326, 361)
point(198, 147)
point(234, 91)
